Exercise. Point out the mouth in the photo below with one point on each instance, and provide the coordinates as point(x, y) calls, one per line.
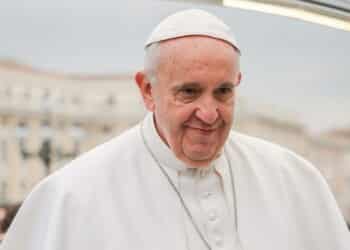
point(202, 130)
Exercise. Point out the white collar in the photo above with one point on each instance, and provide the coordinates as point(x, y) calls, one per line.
point(160, 150)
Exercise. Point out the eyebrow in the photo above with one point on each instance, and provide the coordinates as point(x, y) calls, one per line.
point(226, 84)
point(185, 85)
point(198, 85)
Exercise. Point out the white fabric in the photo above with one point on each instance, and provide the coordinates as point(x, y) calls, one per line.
point(115, 197)
point(206, 200)
point(192, 22)
point(203, 192)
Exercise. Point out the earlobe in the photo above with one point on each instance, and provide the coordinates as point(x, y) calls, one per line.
point(145, 88)
point(239, 79)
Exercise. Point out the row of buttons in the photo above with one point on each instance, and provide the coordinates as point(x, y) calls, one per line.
point(212, 215)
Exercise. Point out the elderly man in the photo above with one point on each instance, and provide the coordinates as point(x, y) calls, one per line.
point(181, 179)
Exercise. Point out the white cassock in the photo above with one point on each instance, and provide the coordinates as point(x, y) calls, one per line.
point(116, 197)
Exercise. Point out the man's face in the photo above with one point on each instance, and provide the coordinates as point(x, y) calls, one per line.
point(193, 99)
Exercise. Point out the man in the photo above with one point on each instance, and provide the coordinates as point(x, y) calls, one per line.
point(180, 179)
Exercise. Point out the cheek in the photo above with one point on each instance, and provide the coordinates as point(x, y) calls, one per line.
point(179, 113)
point(228, 115)
point(228, 110)
point(176, 118)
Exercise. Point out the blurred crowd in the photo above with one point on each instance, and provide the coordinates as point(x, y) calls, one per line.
point(7, 213)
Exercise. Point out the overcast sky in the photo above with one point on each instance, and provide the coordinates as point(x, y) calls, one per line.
point(287, 63)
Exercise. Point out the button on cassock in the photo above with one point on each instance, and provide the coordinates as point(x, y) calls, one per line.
point(206, 195)
point(213, 216)
point(219, 241)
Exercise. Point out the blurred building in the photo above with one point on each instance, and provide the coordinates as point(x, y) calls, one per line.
point(47, 119)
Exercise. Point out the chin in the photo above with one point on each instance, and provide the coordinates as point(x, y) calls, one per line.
point(199, 159)
point(196, 164)
point(201, 152)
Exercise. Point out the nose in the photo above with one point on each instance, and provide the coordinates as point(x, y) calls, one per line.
point(207, 111)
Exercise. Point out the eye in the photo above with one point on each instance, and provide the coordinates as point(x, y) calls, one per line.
point(187, 93)
point(224, 93)
point(224, 90)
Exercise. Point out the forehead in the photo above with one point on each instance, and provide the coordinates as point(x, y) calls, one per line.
point(200, 55)
point(194, 43)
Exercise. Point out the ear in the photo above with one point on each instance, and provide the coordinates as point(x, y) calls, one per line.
point(239, 79)
point(145, 88)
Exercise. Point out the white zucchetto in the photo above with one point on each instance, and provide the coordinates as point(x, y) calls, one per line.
point(189, 23)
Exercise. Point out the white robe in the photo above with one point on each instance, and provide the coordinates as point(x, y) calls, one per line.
point(114, 197)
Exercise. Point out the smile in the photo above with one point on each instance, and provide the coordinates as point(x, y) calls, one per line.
point(202, 130)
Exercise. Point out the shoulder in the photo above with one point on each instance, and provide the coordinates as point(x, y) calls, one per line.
point(271, 156)
point(92, 180)
point(278, 168)
point(255, 147)
point(94, 170)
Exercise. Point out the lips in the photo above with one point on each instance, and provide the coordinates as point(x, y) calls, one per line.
point(201, 130)
point(204, 128)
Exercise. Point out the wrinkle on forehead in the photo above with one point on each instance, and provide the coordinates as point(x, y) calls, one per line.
point(191, 52)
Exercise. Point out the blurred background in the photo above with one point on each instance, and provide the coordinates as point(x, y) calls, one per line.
point(66, 80)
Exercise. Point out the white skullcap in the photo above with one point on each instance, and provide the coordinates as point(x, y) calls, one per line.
point(189, 23)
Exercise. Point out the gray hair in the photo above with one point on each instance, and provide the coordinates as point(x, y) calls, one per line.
point(152, 55)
